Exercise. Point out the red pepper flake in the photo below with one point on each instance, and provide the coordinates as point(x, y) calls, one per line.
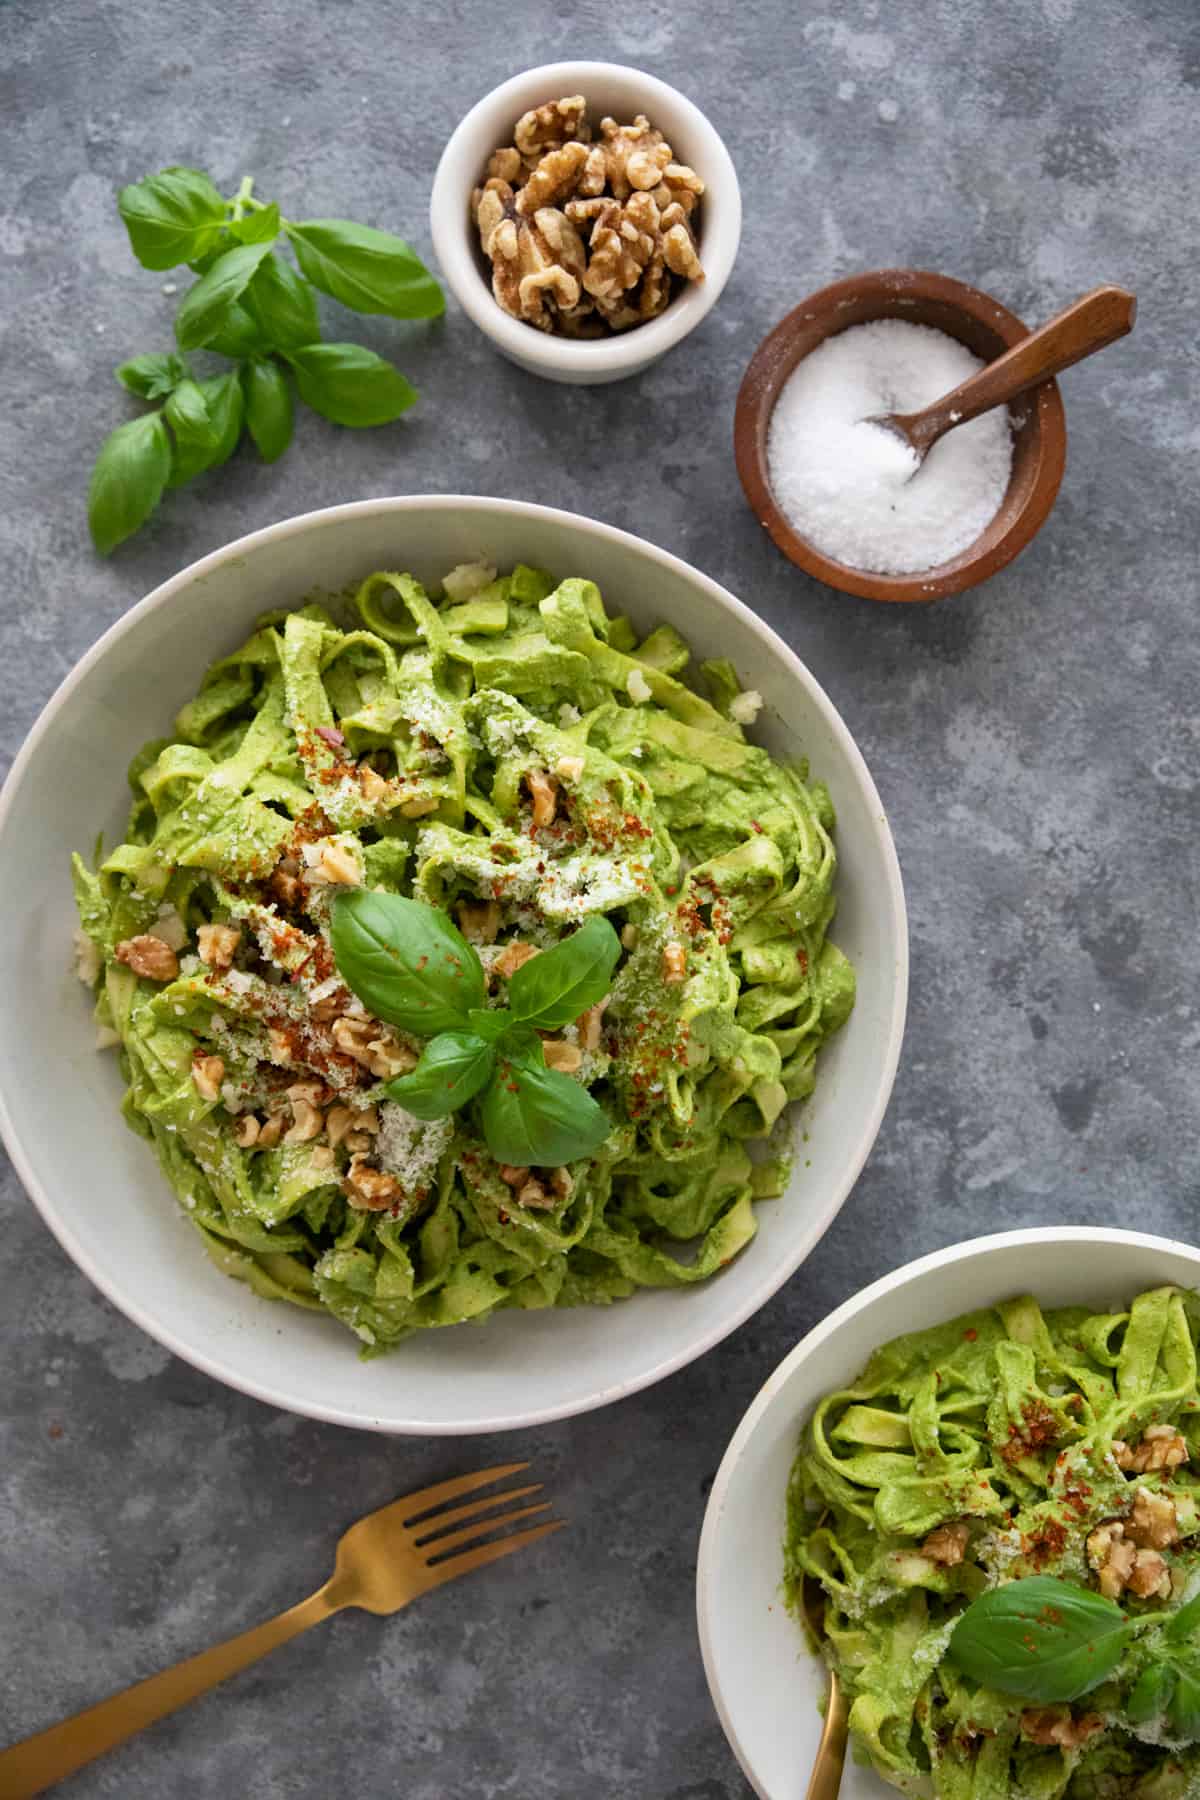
point(755, 826)
point(971, 1335)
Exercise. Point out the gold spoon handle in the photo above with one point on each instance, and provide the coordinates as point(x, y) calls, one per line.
point(36, 1763)
point(831, 1752)
point(1088, 325)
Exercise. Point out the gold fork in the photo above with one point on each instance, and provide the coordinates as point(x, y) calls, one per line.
point(383, 1562)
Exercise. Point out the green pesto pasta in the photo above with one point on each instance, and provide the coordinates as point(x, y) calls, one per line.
point(1004, 1445)
point(510, 753)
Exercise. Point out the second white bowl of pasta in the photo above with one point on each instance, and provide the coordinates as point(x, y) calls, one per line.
point(985, 1415)
point(463, 955)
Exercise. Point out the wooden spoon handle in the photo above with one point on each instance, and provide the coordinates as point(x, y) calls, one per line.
point(1097, 320)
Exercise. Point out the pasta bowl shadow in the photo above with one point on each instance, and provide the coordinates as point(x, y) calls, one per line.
point(764, 1682)
point(98, 1186)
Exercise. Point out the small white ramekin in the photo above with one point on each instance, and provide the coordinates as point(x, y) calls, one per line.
point(611, 89)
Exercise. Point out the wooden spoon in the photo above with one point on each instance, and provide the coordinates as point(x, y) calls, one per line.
point(1092, 323)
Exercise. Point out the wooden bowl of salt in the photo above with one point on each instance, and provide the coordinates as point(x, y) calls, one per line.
point(1000, 504)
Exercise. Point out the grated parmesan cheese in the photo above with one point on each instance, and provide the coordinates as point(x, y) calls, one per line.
point(87, 958)
point(410, 1148)
point(468, 579)
point(637, 687)
point(745, 708)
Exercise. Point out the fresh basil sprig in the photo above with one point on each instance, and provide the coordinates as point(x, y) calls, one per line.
point(411, 967)
point(1040, 1639)
point(254, 307)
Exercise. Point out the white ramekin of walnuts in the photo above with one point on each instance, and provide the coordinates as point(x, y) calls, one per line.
point(586, 217)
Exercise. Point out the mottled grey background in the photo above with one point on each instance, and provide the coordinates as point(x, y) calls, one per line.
point(1037, 744)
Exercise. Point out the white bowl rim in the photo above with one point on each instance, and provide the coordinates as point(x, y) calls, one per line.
point(821, 1218)
point(631, 350)
point(969, 1248)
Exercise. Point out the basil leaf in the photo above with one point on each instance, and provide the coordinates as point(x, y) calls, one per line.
point(186, 412)
point(152, 377)
point(269, 415)
point(283, 305)
point(368, 270)
point(552, 989)
point(260, 227)
point(350, 385)
point(1040, 1639)
point(1151, 1693)
point(127, 480)
point(406, 962)
point(490, 1025)
point(533, 1116)
point(172, 217)
point(237, 334)
point(451, 1072)
point(223, 398)
point(1183, 1623)
point(1183, 1712)
point(206, 304)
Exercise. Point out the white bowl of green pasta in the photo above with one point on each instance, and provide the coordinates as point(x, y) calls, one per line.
point(467, 937)
point(988, 1465)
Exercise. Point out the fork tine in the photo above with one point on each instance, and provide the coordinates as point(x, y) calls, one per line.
point(451, 1540)
point(489, 1553)
point(414, 1505)
point(428, 1527)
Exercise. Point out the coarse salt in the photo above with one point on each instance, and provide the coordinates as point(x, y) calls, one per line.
point(853, 489)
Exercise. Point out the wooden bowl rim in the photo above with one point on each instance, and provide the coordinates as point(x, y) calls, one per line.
point(768, 370)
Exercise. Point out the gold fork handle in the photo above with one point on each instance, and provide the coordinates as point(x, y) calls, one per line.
point(36, 1763)
point(831, 1753)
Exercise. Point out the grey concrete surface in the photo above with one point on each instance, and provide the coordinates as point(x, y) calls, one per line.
point(1037, 744)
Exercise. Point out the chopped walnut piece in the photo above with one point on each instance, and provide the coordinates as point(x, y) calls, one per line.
point(505, 165)
point(561, 1055)
point(351, 1037)
point(208, 1072)
point(636, 154)
point(216, 944)
point(1153, 1524)
point(562, 1183)
point(534, 1195)
point(1162, 1447)
point(374, 787)
point(315, 1092)
point(308, 1123)
point(1112, 1556)
point(589, 1022)
point(371, 1190)
point(553, 180)
point(247, 1131)
point(679, 253)
point(543, 792)
point(1058, 1725)
point(279, 1046)
point(947, 1544)
point(674, 962)
point(358, 1143)
point(620, 250)
point(514, 956)
point(387, 1058)
point(515, 1177)
point(551, 124)
point(148, 957)
point(1151, 1578)
point(321, 1157)
point(479, 921)
point(271, 1133)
